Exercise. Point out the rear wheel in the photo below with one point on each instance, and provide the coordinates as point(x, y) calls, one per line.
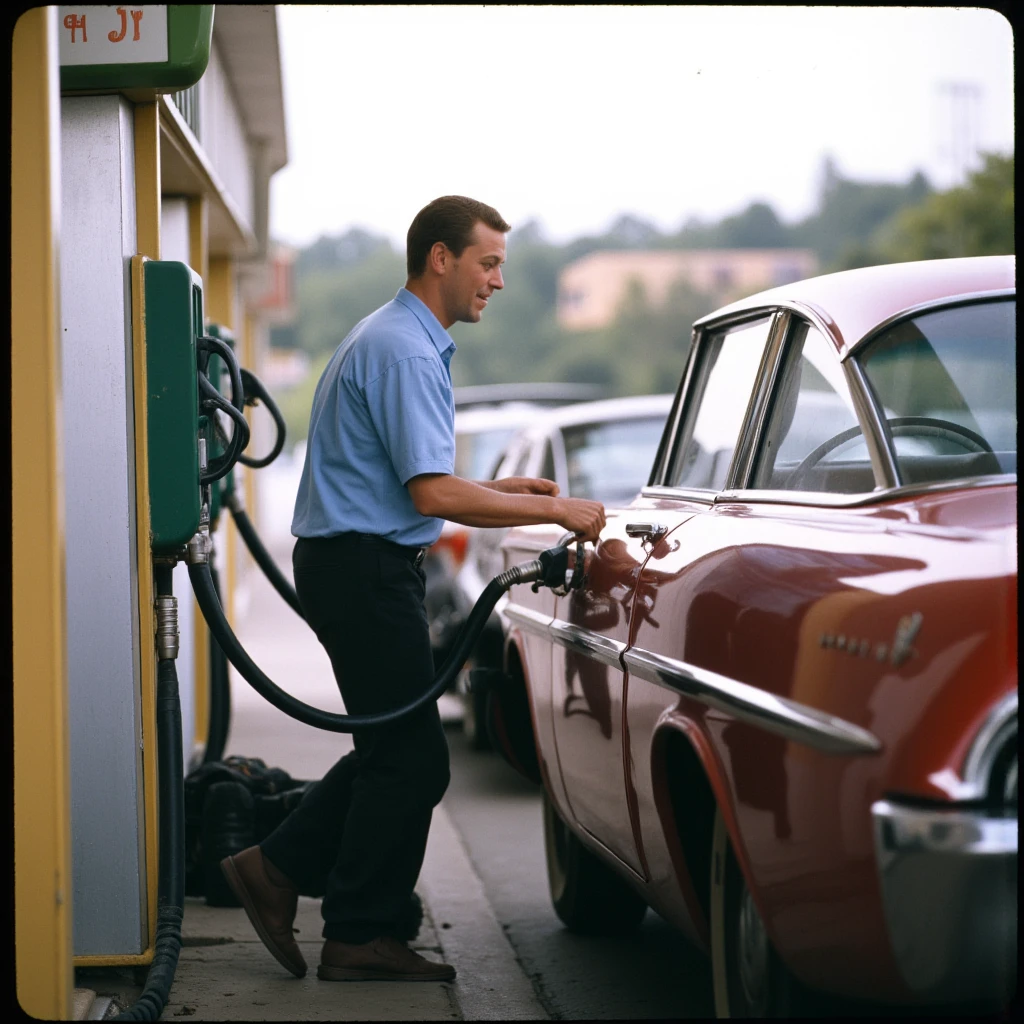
point(588, 896)
point(474, 719)
point(749, 978)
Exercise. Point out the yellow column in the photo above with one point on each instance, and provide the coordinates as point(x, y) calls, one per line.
point(219, 296)
point(199, 260)
point(147, 216)
point(42, 786)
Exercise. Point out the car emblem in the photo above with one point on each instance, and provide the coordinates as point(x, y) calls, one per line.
point(899, 651)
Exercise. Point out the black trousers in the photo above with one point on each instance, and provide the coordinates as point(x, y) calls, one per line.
point(359, 835)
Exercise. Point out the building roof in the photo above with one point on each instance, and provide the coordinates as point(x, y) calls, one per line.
point(246, 36)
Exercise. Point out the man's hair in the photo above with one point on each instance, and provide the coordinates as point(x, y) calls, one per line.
point(450, 219)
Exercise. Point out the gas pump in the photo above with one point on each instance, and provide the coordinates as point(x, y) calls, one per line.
point(194, 379)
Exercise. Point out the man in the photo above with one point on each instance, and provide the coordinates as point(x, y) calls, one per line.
point(377, 482)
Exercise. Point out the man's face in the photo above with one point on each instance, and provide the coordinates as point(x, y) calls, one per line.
point(471, 279)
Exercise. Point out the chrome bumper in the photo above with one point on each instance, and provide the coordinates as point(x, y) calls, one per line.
point(949, 885)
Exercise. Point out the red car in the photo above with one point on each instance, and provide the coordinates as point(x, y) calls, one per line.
point(782, 708)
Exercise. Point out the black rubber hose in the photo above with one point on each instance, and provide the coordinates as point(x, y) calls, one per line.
point(263, 557)
point(223, 464)
point(206, 596)
point(254, 389)
point(220, 694)
point(171, 883)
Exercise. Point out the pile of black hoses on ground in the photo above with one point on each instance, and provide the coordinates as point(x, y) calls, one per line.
point(549, 569)
point(171, 883)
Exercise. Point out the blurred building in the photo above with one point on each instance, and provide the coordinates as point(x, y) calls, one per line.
point(591, 289)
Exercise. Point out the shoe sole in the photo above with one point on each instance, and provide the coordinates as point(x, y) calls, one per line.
point(234, 880)
point(325, 973)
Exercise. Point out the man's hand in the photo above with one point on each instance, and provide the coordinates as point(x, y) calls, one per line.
point(523, 485)
point(582, 517)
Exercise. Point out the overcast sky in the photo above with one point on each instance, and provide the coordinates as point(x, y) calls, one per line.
point(575, 115)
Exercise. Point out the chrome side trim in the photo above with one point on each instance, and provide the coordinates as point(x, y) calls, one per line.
point(940, 830)
point(877, 435)
point(678, 494)
point(576, 638)
point(778, 715)
point(822, 500)
point(529, 620)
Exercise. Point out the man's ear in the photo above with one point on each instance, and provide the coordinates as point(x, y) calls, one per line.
point(439, 257)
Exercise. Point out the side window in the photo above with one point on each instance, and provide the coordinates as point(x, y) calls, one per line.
point(729, 362)
point(947, 383)
point(812, 440)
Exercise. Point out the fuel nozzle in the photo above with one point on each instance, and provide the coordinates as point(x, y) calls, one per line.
point(555, 568)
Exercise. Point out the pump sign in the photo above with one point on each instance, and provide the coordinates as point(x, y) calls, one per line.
point(113, 35)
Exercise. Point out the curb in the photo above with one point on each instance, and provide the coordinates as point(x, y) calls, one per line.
point(490, 983)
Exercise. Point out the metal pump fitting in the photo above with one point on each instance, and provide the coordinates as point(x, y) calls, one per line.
point(166, 627)
point(200, 546)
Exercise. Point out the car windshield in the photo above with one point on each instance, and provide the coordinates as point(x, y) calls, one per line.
point(610, 462)
point(477, 453)
point(947, 382)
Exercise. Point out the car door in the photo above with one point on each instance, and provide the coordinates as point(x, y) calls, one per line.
point(784, 553)
point(591, 629)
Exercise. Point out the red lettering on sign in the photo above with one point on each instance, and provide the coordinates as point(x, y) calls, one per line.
point(74, 22)
point(136, 18)
point(115, 36)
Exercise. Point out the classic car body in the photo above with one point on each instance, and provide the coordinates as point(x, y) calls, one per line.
point(782, 710)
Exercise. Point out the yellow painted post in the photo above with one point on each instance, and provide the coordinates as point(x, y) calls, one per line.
point(220, 298)
point(249, 359)
point(42, 784)
point(147, 217)
point(199, 260)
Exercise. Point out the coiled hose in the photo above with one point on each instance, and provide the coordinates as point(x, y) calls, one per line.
point(220, 694)
point(262, 556)
point(171, 882)
point(548, 569)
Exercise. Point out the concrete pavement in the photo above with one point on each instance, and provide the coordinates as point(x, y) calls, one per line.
point(225, 974)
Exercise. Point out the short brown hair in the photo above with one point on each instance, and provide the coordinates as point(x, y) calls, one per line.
point(450, 219)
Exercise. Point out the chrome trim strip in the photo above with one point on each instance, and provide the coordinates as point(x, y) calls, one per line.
point(753, 422)
point(941, 830)
point(678, 494)
point(778, 715)
point(996, 730)
point(595, 646)
point(529, 620)
point(878, 436)
point(946, 302)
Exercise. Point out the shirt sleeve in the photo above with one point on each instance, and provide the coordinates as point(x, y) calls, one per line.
point(410, 407)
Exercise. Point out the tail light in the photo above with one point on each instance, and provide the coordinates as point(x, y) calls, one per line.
point(453, 545)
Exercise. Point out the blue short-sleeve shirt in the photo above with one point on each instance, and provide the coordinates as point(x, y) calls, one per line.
point(383, 412)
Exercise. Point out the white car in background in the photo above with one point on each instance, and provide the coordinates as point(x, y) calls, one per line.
point(487, 416)
point(598, 450)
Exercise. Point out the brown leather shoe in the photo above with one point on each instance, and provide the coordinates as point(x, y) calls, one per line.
point(270, 906)
point(383, 959)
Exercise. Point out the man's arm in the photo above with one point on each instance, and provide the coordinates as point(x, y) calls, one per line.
point(467, 502)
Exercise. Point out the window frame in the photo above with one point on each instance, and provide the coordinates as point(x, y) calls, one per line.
point(870, 415)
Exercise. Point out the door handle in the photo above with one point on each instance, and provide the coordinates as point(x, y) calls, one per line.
point(650, 532)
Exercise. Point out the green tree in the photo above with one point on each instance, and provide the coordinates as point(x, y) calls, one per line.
point(974, 220)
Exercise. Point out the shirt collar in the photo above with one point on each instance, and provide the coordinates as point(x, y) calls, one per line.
point(438, 335)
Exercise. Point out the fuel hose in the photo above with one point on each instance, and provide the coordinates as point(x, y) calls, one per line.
point(549, 570)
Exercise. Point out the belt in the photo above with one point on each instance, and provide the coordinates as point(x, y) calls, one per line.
point(414, 554)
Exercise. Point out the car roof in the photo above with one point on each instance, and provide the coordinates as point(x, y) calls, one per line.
point(538, 392)
point(508, 415)
point(850, 304)
point(629, 407)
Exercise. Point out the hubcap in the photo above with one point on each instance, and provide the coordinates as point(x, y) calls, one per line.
point(752, 952)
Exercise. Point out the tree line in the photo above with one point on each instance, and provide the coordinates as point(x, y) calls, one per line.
point(339, 280)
